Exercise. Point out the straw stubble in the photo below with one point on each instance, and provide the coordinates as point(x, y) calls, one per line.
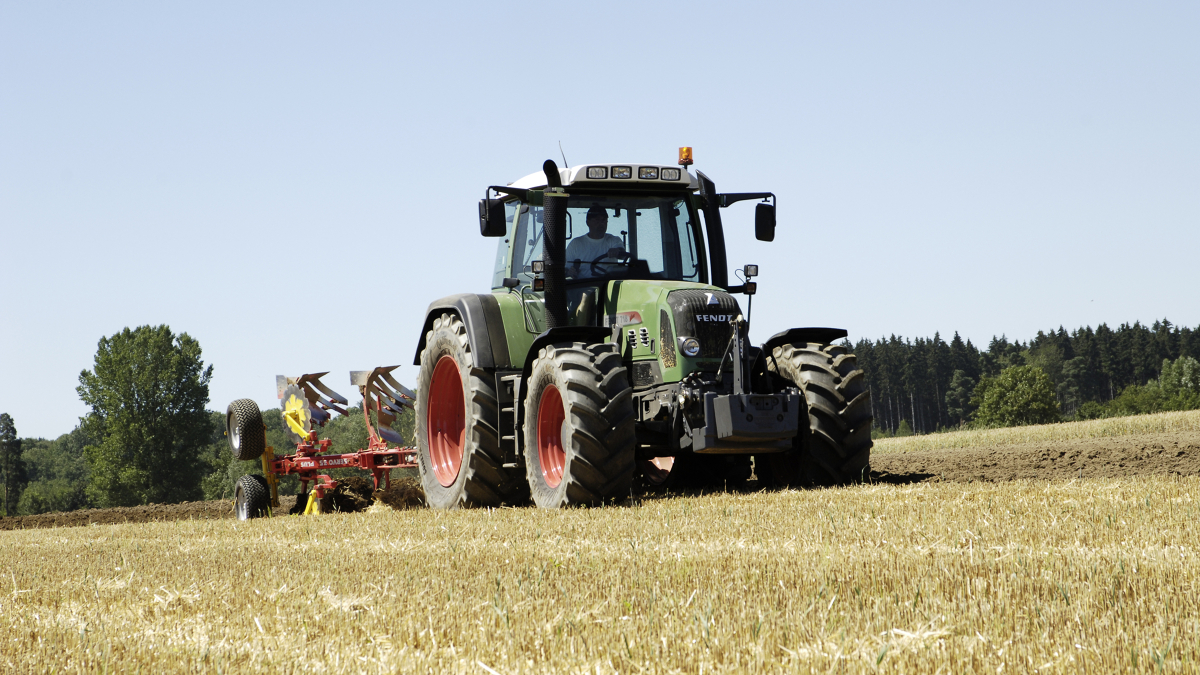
point(1095, 574)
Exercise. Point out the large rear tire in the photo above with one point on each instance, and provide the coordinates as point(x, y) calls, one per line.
point(579, 426)
point(457, 418)
point(245, 430)
point(836, 447)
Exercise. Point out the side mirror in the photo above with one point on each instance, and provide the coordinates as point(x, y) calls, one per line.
point(764, 222)
point(491, 218)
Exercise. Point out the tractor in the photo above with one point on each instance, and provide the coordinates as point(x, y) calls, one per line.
point(611, 355)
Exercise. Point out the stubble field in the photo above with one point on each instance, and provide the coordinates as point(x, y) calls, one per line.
point(921, 571)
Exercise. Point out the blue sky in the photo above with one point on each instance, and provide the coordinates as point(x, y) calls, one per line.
point(292, 183)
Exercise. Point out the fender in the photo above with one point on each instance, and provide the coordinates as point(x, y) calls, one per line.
point(792, 335)
point(480, 313)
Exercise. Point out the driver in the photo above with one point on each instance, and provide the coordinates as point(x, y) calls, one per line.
point(597, 246)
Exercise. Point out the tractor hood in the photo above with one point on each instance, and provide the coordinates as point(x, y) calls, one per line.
point(652, 320)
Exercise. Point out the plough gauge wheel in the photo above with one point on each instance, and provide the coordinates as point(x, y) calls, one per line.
point(297, 417)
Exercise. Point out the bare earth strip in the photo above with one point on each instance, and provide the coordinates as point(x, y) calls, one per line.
point(129, 514)
point(1109, 457)
point(353, 494)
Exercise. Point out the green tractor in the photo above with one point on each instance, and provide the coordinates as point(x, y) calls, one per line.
point(611, 354)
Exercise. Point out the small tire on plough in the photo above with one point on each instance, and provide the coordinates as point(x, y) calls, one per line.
point(245, 429)
point(251, 498)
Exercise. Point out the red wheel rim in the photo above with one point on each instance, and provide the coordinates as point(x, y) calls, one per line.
point(446, 421)
point(551, 456)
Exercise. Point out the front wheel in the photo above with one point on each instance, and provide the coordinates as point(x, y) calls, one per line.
point(836, 447)
point(579, 427)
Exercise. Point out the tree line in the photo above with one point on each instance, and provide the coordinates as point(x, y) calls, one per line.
point(928, 384)
point(149, 437)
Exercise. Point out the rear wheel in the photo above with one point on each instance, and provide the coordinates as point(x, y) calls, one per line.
point(250, 497)
point(457, 418)
point(245, 430)
point(579, 426)
point(835, 449)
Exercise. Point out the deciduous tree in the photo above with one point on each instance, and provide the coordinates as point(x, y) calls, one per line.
point(147, 391)
point(1019, 395)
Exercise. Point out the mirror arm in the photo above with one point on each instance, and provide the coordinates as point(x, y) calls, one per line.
point(519, 193)
point(724, 200)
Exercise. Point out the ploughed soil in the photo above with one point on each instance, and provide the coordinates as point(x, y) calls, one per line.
point(1172, 453)
point(1169, 453)
point(352, 494)
point(125, 514)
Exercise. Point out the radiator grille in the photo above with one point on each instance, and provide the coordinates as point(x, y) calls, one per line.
point(704, 315)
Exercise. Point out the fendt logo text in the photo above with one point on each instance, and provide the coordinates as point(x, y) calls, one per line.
point(714, 317)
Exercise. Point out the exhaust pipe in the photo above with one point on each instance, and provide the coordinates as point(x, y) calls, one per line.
point(554, 219)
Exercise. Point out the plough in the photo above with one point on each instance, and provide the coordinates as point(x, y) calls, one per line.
point(307, 404)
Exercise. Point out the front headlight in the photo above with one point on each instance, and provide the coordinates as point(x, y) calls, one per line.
point(690, 346)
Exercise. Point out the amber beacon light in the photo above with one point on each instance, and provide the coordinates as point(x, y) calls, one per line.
point(685, 157)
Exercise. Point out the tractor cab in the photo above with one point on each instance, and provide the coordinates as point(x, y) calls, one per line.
point(615, 227)
point(622, 223)
point(609, 236)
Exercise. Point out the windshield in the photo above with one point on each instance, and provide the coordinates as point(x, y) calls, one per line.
point(616, 237)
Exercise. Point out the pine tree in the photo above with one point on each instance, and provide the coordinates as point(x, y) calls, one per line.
point(10, 463)
point(958, 397)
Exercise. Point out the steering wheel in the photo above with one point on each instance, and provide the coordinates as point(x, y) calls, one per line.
point(621, 259)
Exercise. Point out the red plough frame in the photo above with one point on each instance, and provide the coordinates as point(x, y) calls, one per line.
point(385, 449)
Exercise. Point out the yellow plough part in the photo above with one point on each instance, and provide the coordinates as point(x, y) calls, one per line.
point(268, 456)
point(297, 415)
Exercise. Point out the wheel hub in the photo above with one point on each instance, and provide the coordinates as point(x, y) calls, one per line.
point(551, 455)
point(446, 421)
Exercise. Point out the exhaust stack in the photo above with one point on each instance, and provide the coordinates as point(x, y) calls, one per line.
point(554, 218)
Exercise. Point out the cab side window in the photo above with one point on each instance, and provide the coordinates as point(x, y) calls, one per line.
point(500, 269)
point(527, 242)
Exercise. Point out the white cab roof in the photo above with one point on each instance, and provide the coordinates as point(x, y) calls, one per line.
point(578, 174)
